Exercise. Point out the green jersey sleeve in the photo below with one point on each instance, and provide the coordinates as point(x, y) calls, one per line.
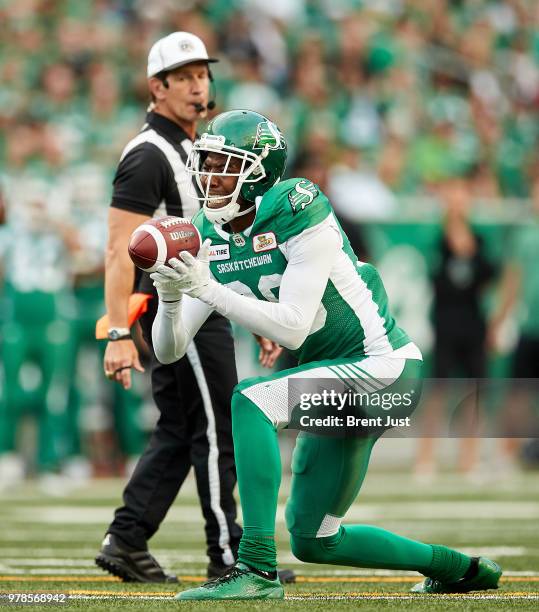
point(293, 206)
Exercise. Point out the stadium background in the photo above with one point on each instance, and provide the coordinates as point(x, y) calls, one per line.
point(396, 107)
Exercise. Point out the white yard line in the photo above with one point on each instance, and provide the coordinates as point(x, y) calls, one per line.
point(344, 597)
point(7, 562)
point(412, 511)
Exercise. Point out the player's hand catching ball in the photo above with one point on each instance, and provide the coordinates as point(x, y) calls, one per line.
point(168, 284)
point(190, 275)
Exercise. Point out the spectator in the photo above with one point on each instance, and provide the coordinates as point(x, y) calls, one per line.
point(462, 274)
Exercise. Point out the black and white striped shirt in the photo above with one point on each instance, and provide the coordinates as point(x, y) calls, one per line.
point(151, 178)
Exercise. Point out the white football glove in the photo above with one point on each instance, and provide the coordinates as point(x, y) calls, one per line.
point(194, 272)
point(167, 283)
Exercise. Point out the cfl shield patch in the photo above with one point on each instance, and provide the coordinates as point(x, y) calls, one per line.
point(219, 252)
point(302, 195)
point(238, 240)
point(264, 242)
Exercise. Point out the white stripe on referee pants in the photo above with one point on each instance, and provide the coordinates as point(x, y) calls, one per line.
point(213, 455)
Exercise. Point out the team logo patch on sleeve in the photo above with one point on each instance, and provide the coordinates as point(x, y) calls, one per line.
point(264, 242)
point(302, 195)
point(218, 252)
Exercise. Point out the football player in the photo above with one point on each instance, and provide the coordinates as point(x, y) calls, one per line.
point(275, 260)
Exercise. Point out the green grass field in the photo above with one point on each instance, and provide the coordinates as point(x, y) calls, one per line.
point(47, 544)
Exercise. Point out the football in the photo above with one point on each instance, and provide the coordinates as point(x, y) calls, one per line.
point(157, 240)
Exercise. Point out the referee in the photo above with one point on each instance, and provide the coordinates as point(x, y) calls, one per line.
point(193, 394)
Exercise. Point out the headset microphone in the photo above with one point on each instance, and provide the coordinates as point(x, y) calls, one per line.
point(200, 108)
point(213, 91)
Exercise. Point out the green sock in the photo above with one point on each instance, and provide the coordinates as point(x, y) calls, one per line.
point(447, 565)
point(258, 465)
point(258, 551)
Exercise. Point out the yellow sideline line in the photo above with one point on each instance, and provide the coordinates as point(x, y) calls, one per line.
point(108, 593)
point(59, 579)
point(307, 596)
point(306, 579)
point(418, 595)
point(382, 579)
point(324, 595)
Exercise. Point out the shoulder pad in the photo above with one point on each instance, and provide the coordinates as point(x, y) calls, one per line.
point(296, 204)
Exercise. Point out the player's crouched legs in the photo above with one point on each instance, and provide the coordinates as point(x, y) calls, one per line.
point(325, 550)
point(327, 475)
point(367, 546)
point(258, 466)
point(312, 550)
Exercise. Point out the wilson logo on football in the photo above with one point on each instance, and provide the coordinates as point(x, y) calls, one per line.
point(264, 242)
point(180, 235)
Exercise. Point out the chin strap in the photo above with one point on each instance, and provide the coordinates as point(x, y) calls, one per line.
point(244, 212)
point(222, 216)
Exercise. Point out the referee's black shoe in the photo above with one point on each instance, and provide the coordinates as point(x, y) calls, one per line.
point(216, 570)
point(130, 565)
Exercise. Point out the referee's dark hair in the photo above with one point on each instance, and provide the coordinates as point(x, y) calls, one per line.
point(162, 76)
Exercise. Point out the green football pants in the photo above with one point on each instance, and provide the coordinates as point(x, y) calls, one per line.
point(328, 470)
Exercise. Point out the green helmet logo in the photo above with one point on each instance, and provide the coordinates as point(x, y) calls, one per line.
point(255, 140)
point(267, 133)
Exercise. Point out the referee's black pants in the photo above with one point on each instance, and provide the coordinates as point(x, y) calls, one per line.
point(194, 429)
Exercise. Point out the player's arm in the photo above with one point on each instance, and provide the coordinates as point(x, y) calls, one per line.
point(119, 280)
point(288, 322)
point(179, 318)
point(176, 323)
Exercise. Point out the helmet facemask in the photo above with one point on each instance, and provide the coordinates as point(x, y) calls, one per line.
point(251, 171)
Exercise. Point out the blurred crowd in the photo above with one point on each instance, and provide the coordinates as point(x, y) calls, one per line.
point(394, 96)
point(381, 101)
